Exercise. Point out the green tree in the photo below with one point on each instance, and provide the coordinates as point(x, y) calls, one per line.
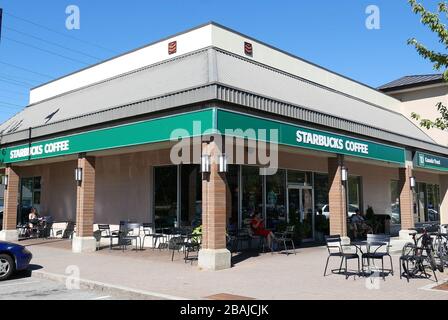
point(433, 20)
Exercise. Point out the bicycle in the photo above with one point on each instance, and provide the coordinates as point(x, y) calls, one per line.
point(415, 258)
point(441, 244)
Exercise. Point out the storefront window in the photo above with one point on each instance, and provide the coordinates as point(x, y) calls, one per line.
point(395, 202)
point(433, 203)
point(354, 194)
point(191, 195)
point(30, 197)
point(275, 199)
point(427, 203)
point(252, 201)
point(232, 182)
point(321, 188)
point(300, 178)
point(165, 196)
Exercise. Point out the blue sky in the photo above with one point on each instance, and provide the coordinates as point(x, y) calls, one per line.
point(329, 33)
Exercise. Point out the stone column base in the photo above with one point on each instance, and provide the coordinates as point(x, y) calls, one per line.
point(9, 235)
point(83, 244)
point(214, 260)
point(406, 235)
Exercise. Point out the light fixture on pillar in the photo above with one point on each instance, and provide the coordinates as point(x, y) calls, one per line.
point(413, 182)
point(205, 163)
point(5, 181)
point(78, 175)
point(223, 163)
point(344, 174)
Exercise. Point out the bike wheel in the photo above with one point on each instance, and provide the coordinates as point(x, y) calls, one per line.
point(411, 266)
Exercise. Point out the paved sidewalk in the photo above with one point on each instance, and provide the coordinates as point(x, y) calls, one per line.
point(266, 276)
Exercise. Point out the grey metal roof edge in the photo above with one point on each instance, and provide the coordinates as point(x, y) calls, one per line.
point(298, 58)
point(285, 73)
point(287, 109)
point(129, 110)
point(186, 55)
point(223, 93)
point(227, 29)
point(412, 80)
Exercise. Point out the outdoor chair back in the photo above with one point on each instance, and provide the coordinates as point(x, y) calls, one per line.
point(378, 243)
point(104, 228)
point(132, 229)
point(147, 229)
point(334, 244)
point(69, 230)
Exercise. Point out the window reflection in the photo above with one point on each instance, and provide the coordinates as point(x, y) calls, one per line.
point(427, 203)
point(395, 214)
point(321, 188)
point(191, 195)
point(252, 197)
point(165, 196)
point(275, 199)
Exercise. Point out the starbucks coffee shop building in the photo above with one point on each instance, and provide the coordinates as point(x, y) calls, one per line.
point(328, 145)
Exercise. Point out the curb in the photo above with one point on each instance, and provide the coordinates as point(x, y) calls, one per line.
point(108, 288)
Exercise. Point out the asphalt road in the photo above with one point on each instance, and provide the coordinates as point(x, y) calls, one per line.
point(27, 288)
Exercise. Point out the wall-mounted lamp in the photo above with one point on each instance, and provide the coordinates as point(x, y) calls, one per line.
point(205, 163)
point(344, 174)
point(413, 182)
point(5, 181)
point(223, 163)
point(78, 175)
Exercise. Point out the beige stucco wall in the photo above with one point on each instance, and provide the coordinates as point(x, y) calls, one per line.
point(123, 187)
point(376, 181)
point(58, 189)
point(424, 102)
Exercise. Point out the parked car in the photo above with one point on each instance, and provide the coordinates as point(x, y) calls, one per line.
point(351, 210)
point(13, 258)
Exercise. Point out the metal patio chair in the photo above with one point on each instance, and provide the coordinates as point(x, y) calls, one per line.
point(128, 234)
point(176, 243)
point(286, 237)
point(156, 237)
point(106, 233)
point(336, 249)
point(378, 246)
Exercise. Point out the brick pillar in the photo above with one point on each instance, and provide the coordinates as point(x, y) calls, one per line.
point(11, 196)
point(214, 254)
point(406, 198)
point(444, 199)
point(337, 197)
point(85, 206)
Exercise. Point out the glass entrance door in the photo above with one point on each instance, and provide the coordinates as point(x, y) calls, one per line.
point(300, 209)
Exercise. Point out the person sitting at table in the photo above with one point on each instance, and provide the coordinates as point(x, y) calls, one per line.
point(33, 221)
point(256, 225)
point(33, 218)
point(359, 225)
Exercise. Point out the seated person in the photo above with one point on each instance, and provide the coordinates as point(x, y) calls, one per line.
point(257, 227)
point(33, 218)
point(359, 225)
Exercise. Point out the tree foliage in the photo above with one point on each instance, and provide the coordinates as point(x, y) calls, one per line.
point(433, 20)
